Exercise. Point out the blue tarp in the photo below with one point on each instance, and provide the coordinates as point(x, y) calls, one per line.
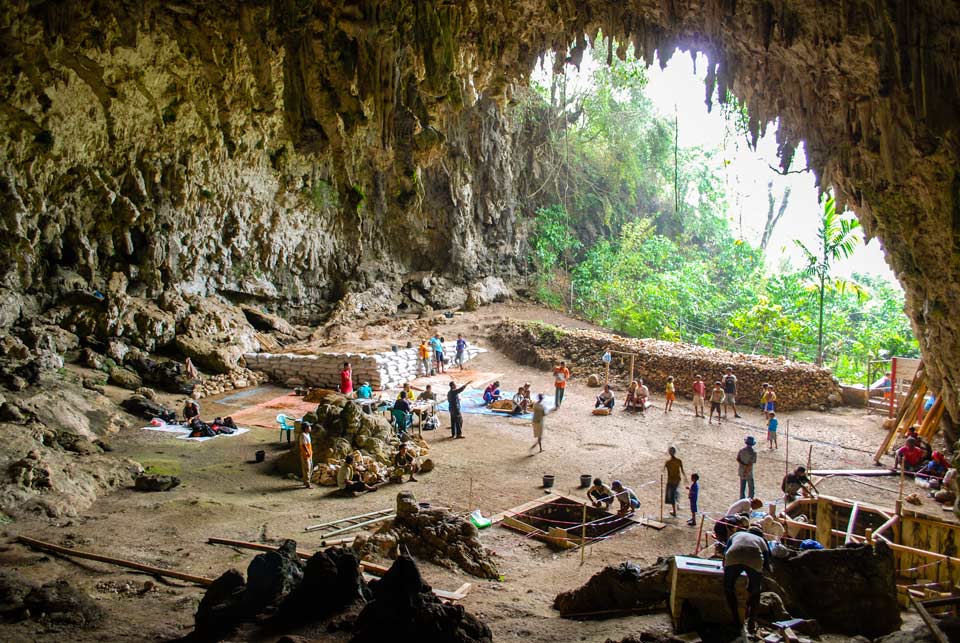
point(471, 401)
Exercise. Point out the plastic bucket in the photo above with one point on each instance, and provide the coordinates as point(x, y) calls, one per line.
point(585, 480)
point(548, 481)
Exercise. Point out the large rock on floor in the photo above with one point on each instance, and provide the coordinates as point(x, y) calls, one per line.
point(850, 590)
point(404, 609)
point(332, 580)
point(626, 586)
point(221, 608)
point(272, 575)
point(60, 602)
point(436, 535)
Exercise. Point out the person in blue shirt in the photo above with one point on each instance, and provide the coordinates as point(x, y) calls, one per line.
point(365, 391)
point(694, 495)
point(772, 431)
point(492, 393)
point(461, 351)
point(437, 345)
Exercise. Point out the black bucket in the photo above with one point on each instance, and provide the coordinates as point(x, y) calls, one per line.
point(548, 481)
point(260, 456)
point(585, 480)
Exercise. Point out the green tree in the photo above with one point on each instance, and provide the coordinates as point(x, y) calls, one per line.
point(837, 240)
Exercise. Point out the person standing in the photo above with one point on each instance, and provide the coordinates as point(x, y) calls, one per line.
point(746, 458)
point(746, 553)
point(461, 351)
point(423, 354)
point(770, 402)
point(730, 392)
point(772, 431)
point(453, 402)
point(437, 347)
point(670, 393)
point(675, 475)
point(346, 379)
point(699, 392)
point(716, 399)
point(694, 495)
point(560, 376)
point(539, 412)
point(306, 453)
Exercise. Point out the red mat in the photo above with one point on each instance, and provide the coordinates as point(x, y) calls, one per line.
point(265, 414)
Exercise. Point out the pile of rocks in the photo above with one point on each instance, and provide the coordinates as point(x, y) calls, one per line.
point(341, 428)
point(282, 594)
point(387, 369)
point(433, 534)
point(798, 385)
point(57, 602)
point(236, 378)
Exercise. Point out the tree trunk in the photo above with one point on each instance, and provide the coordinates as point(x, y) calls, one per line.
point(773, 218)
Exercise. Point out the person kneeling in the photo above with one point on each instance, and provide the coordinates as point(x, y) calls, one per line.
point(348, 479)
point(600, 494)
point(605, 399)
point(492, 394)
point(626, 497)
point(404, 462)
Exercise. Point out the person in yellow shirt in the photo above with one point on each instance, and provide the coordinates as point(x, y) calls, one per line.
point(306, 453)
point(423, 353)
point(671, 395)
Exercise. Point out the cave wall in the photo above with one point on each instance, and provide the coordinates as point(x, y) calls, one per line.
point(297, 150)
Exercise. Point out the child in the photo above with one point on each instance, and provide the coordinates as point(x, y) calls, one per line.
point(769, 403)
point(671, 394)
point(716, 399)
point(772, 431)
point(694, 494)
point(699, 392)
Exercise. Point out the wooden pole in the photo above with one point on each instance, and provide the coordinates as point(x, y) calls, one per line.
point(699, 534)
point(661, 496)
point(810, 458)
point(893, 385)
point(632, 358)
point(583, 536)
point(607, 371)
point(76, 553)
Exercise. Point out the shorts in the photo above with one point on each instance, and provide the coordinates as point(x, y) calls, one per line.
point(672, 494)
point(693, 504)
point(714, 406)
point(768, 407)
point(671, 396)
point(698, 400)
point(731, 399)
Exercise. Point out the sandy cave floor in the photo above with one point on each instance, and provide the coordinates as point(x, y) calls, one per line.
point(225, 494)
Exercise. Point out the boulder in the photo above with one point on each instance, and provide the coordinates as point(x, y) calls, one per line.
point(14, 589)
point(405, 609)
point(266, 322)
point(60, 602)
point(210, 354)
point(221, 607)
point(594, 380)
point(332, 580)
point(156, 482)
point(125, 378)
point(272, 575)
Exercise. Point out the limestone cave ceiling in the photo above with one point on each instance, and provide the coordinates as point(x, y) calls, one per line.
point(295, 150)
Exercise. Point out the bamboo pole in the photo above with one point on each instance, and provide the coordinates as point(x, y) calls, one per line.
point(786, 462)
point(851, 523)
point(810, 458)
point(632, 359)
point(76, 553)
point(359, 525)
point(699, 534)
point(339, 520)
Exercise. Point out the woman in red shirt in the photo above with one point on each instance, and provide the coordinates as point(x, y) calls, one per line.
point(346, 379)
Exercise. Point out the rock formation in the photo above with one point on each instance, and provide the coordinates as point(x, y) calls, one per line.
point(308, 155)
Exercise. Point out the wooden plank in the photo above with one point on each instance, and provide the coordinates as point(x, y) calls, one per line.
point(865, 473)
point(76, 553)
point(495, 518)
point(929, 620)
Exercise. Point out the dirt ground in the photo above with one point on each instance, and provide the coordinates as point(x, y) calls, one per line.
point(224, 493)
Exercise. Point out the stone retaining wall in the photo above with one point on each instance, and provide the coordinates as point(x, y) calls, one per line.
point(383, 370)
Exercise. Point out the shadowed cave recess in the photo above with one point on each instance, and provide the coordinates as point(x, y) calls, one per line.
point(315, 158)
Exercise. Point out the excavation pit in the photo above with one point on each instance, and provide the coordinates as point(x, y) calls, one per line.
point(559, 521)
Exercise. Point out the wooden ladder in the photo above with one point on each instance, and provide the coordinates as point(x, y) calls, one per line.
point(343, 525)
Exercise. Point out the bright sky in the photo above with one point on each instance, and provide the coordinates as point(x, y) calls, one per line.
point(678, 88)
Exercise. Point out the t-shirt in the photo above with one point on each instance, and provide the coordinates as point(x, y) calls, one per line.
point(346, 381)
point(730, 384)
point(716, 395)
point(461, 345)
point(911, 455)
point(306, 446)
point(344, 475)
point(643, 391)
point(670, 388)
point(402, 405)
point(430, 396)
point(599, 493)
point(365, 391)
point(699, 388)
point(694, 492)
point(453, 399)
point(741, 506)
point(744, 548)
point(560, 376)
point(436, 345)
point(792, 483)
point(674, 466)
point(423, 351)
point(625, 496)
point(538, 413)
point(746, 457)
point(772, 425)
